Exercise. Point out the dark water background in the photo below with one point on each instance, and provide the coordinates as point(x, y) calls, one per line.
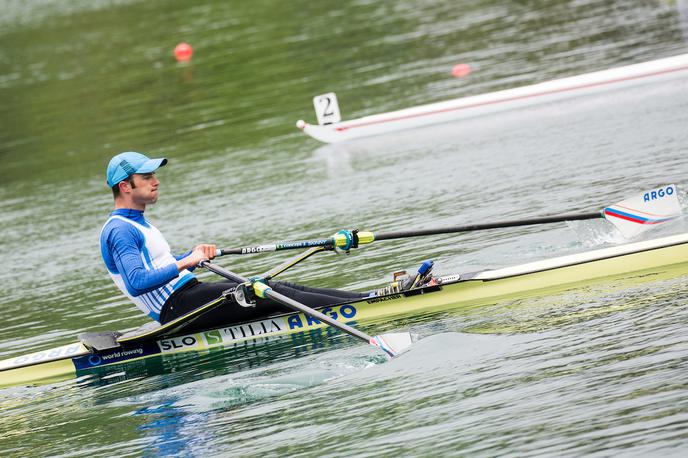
point(594, 372)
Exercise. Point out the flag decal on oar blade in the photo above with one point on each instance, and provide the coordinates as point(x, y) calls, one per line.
point(393, 344)
point(635, 215)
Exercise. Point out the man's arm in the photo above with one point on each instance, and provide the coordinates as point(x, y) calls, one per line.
point(125, 244)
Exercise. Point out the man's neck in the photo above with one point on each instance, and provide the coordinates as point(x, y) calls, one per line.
point(126, 204)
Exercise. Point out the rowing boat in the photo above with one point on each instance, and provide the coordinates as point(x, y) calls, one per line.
point(466, 107)
point(662, 257)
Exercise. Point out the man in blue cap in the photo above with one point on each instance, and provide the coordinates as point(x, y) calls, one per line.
point(161, 284)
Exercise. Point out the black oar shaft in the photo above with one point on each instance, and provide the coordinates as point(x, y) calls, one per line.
point(291, 303)
point(495, 225)
point(328, 243)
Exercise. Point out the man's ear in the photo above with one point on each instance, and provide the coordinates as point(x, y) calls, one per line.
point(124, 186)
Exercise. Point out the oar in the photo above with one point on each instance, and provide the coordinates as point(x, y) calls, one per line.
point(392, 344)
point(630, 217)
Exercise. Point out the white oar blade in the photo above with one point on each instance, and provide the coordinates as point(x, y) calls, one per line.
point(393, 344)
point(638, 214)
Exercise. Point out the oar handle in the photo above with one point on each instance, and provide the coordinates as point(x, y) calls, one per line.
point(295, 245)
point(338, 240)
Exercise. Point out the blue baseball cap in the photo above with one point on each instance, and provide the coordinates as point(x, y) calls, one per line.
point(126, 164)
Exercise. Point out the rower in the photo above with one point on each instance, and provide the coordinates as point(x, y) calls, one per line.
point(162, 285)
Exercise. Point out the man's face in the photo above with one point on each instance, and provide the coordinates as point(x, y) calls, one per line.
point(144, 188)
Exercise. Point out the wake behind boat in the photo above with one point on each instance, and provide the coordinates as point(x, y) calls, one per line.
point(625, 265)
point(466, 107)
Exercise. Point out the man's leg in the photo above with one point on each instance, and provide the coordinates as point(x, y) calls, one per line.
point(188, 299)
point(199, 294)
point(315, 297)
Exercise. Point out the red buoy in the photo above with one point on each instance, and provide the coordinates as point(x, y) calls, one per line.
point(183, 52)
point(461, 70)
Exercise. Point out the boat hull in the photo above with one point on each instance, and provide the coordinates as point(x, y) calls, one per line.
point(616, 267)
point(466, 107)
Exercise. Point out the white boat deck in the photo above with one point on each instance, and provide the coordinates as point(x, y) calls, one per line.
point(581, 258)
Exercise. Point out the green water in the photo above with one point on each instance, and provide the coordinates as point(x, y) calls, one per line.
point(568, 375)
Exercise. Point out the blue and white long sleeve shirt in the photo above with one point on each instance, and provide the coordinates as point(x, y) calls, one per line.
point(139, 261)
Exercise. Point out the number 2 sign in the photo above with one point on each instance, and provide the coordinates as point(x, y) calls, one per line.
point(327, 108)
